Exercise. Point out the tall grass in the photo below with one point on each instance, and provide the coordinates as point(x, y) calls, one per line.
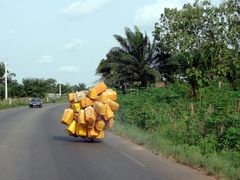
point(17, 102)
point(215, 164)
point(202, 132)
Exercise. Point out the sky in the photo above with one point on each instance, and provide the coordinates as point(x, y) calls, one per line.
point(67, 39)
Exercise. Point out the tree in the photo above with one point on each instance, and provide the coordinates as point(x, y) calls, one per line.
point(131, 61)
point(66, 88)
point(81, 86)
point(35, 87)
point(16, 90)
point(230, 13)
point(51, 85)
point(2, 73)
point(2, 79)
point(164, 64)
point(110, 68)
point(194, 37)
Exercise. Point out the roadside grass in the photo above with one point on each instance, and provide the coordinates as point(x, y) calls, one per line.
point(215, 164)
point(201, 132)
point(18, 102)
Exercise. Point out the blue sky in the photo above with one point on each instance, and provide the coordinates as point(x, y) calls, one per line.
point(67, 39)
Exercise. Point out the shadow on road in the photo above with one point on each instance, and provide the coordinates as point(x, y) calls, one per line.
point(75, 139)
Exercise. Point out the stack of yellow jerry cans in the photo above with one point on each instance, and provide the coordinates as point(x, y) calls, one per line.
point(90, 112)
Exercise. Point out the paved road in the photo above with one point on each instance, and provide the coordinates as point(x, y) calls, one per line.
point(33, 146)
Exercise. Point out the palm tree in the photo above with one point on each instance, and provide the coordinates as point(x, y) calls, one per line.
point(131, 61)
point(2, 69)
point(81, 86)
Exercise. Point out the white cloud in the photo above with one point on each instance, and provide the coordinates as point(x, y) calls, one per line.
point(45, 60)
point(83, 7)
point(69, 69)
point(74, 45)
point(150, 14)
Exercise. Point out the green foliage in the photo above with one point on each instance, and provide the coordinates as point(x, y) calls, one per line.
point(2, 79)
point(196, 44)
point(131, 61)
point(35, 87)
point(225, 165)
point(2, 71)
point(202, 42)
point(16, 90)
point(81, 86)
point(24, 101)
point(210, 123)
point(15, 103)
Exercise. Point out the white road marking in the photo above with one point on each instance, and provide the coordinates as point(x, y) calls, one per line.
point(133, 159)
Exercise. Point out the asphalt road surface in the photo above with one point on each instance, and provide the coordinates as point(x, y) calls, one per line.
point(33, 146)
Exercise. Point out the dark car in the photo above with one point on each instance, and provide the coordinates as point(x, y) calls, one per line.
point(35, 102)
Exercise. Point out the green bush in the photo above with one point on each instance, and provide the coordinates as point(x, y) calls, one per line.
point(210, 123)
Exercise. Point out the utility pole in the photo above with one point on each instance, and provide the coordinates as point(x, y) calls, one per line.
point(60, 89)
point(6, 83)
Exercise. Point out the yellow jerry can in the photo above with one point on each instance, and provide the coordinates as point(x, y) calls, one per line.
point(109, 114)
point(92, 133)
point(86, 102)
point(81, 117)
point(75, 98)
point(76, 107)
point(71, 105)
point(90, 125)
point(101, 135)
point(80, 95)
point(99, 125)
point(111, 94)
point(101, 87)
point(90, 114)
point(100, 108)
point(72, 128)
point(110, 123)
point(68, 133)
point(81, 130)
point(75, 116)
point(92, 93)
point(71, 97)
point(113, 105)
point(102, 98)
point(76, 130)
point(67, 116)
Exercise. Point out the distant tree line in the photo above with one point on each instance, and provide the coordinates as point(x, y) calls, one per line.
point(196, 44)
point(34, 87)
